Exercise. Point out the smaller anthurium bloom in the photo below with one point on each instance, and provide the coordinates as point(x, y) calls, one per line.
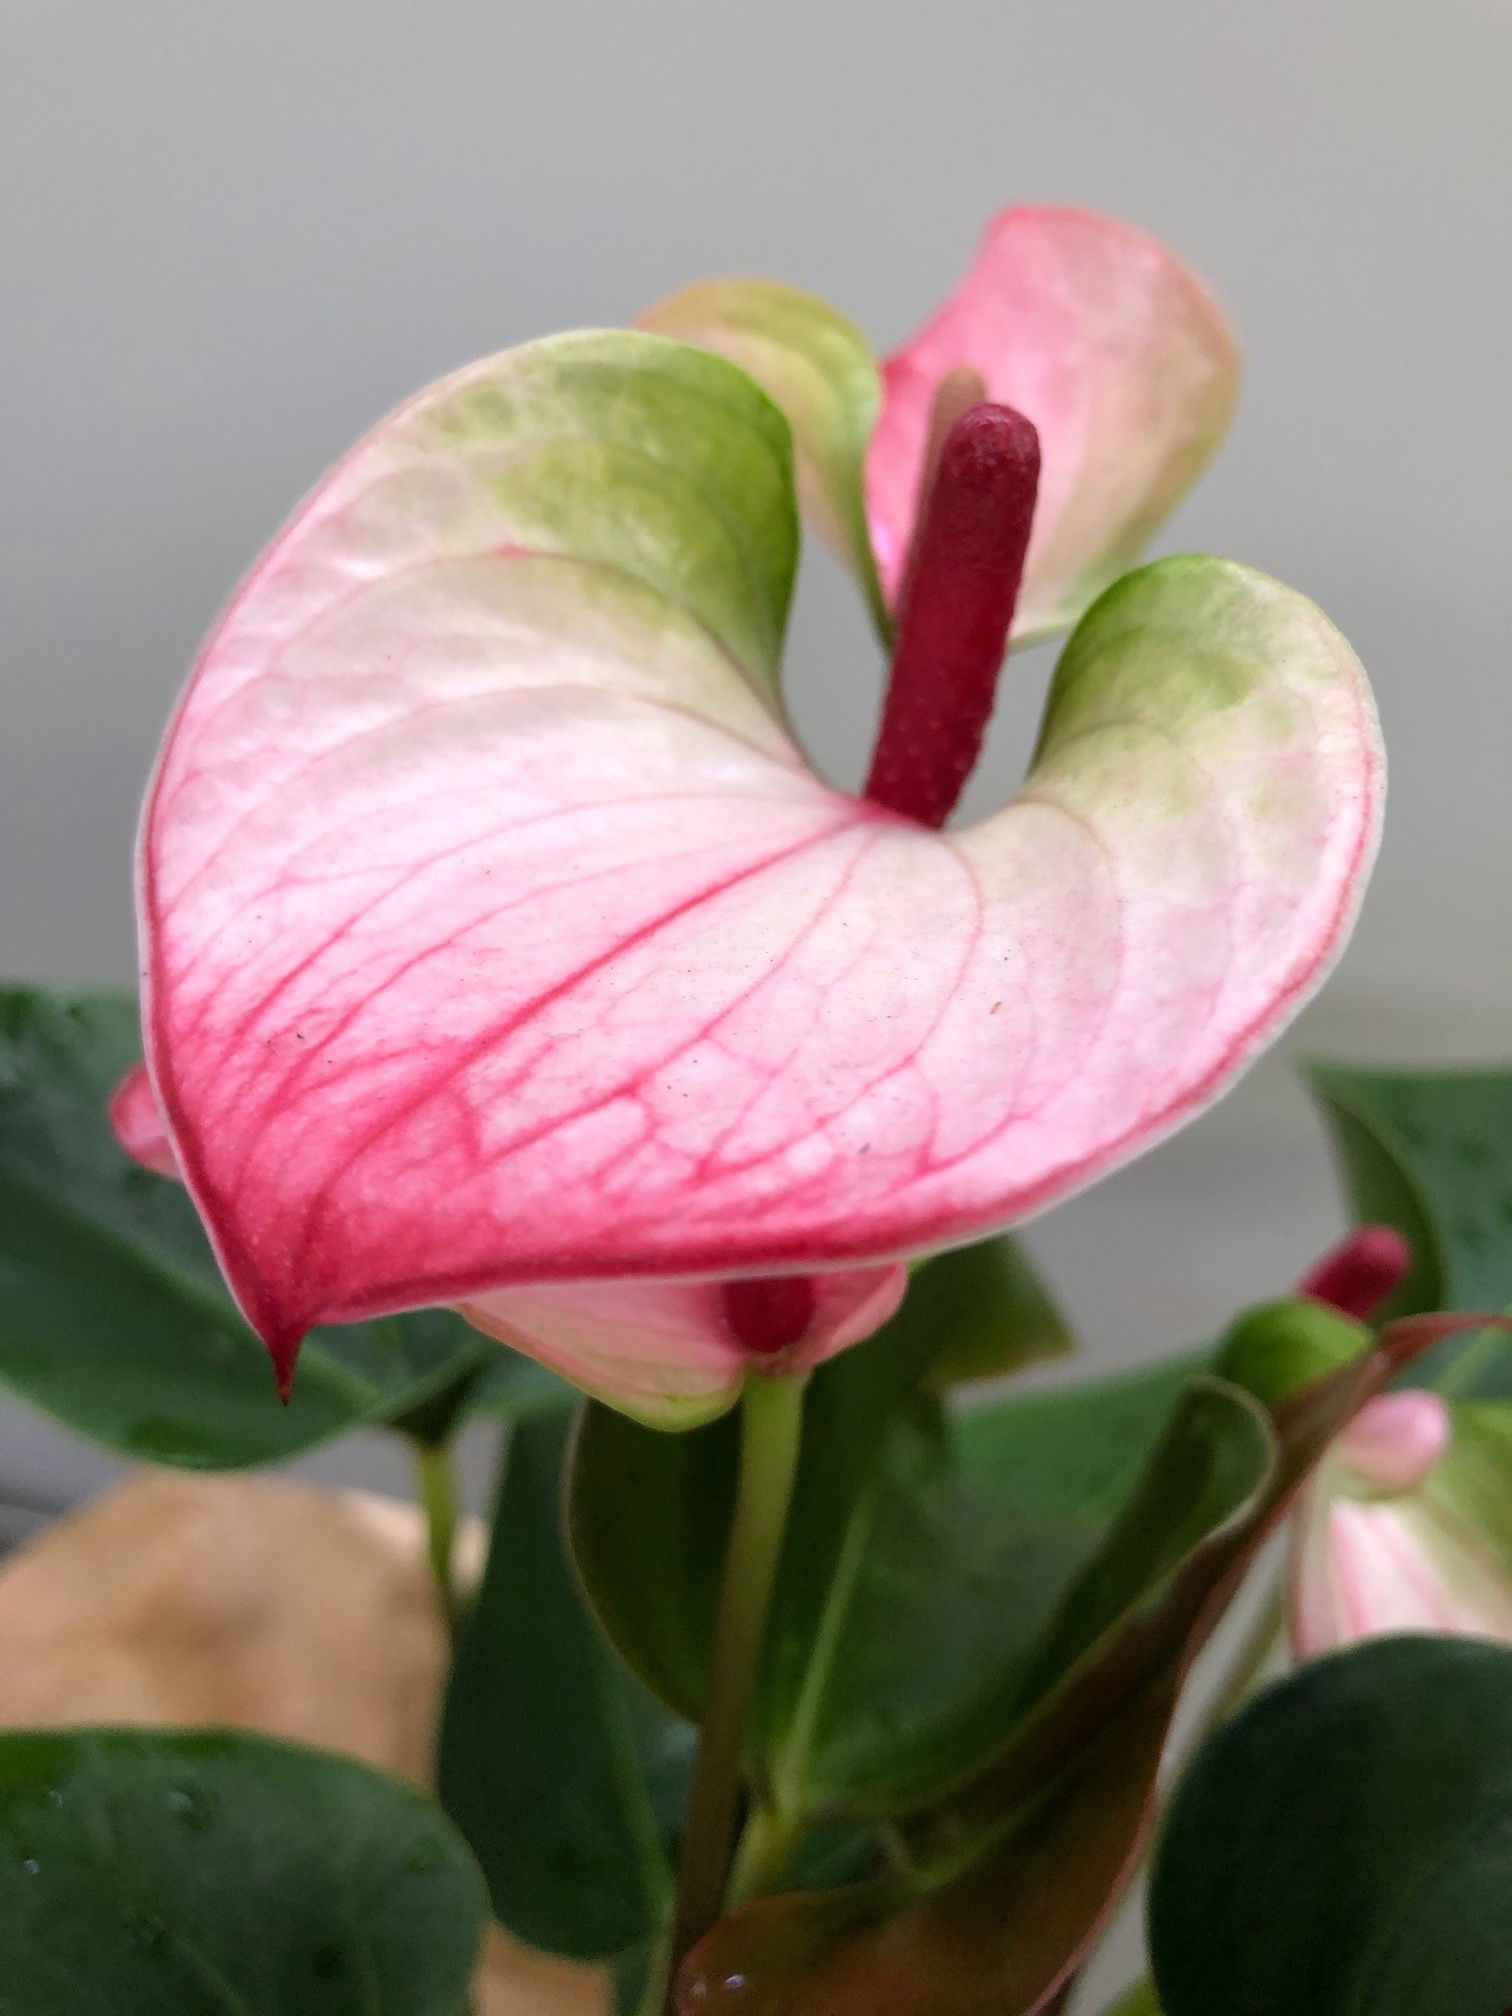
point(501, 949)
point(1096, 332)
point(1407, 1524)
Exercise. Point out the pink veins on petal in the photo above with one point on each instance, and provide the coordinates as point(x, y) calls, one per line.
point(497, 934)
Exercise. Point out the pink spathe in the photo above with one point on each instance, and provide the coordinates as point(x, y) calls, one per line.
point(499, 941)
point(1117, 354)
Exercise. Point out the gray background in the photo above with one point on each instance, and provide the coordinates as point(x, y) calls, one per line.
point(235, 231)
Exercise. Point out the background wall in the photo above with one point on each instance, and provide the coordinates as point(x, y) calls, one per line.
point(235, 231)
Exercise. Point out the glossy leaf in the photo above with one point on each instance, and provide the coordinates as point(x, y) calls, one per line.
point(819, 370)
point(552, 962)
point(563, 1775)
point(1013, 1872)
point(1117, 354)
point(113, 1314)
point(1345, 1843)
point(159, 1874)
point(1430, 1152)
point(1074, 1451)
point(987, 1310)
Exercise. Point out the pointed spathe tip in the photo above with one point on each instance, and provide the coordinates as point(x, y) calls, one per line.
point(283, 1348)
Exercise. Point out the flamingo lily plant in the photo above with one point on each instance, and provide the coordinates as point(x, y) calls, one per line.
point(504, 958)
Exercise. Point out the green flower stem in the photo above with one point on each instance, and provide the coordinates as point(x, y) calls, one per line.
point(1138, 1999)
point(771, 1425)
point(436, 1477)
point(768, 1842)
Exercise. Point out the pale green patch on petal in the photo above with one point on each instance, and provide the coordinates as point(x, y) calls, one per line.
point(819, 369)
point(620, 450)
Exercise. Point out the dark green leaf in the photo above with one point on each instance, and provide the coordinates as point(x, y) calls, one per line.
point(156, 1874)
point(1431, 1153)
point(1073, 1452)
point(113, 1314)
point(1011, 1873)
point(565, 1776)
point(648, 1515)
point(1344, 1845)
point(981, 1311)
point(632, 1978)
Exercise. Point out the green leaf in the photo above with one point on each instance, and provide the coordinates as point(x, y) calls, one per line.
point(161, 1874)
point(982, 1311)
point(819, 370)
point(1344, 1845)
point(1430, 1152)
point(648, 1515)
point(1011, 1873)
point(113, 1313)
point(563, 1774)
point(1075, 1451)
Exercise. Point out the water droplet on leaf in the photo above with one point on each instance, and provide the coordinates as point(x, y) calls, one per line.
point(192, 1807)
point(145, 1930)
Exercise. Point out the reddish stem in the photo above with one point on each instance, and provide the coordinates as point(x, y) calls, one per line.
point(959, 590)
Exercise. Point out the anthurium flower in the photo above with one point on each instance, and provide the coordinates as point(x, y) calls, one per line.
point(1407, 1525)
point(1095, 331)
point(500, 947)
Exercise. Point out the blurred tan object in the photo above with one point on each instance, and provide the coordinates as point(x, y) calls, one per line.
point(257, 1603)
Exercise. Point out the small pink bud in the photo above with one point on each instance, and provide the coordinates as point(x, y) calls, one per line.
point(139, 1125)
point(1395, 1440)
point(1358, 1274)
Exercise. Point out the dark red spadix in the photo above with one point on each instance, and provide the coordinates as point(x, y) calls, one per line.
point(769, 1313)
point(959, 591)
